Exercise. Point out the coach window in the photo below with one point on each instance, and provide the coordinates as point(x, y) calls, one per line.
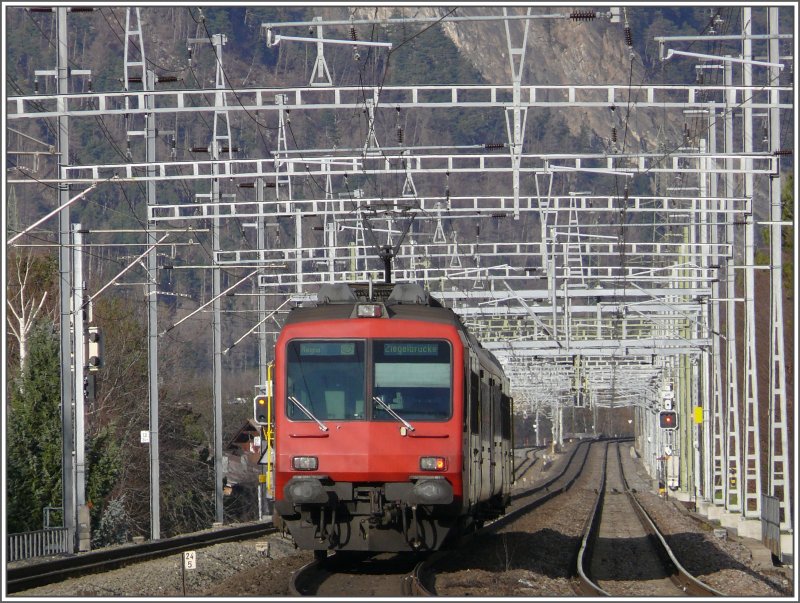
point(414, 378)
point(328, 378)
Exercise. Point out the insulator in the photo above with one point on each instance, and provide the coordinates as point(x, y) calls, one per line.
point(783, 152)
point(613, 134)
point(167, 78)
point(89, 85)
point(494, 145)
point(628, 36)
point(199, 150)
point(353, 33)
point(400, 135)
point(36, 86)
point(583, 15)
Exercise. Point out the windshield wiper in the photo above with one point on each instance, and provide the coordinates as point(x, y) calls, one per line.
point(308, 413)
point(394, 414)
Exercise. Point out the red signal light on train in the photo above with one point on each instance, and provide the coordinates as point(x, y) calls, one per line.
point(433, 463)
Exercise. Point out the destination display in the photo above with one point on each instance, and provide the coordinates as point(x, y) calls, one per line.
point(411, 348)
point(328, 348)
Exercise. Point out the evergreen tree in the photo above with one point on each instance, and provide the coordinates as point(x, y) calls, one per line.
point(33, 435)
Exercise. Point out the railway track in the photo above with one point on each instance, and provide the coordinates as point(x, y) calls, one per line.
point(527, 463)
point(403, 575)
point(360, 575)
point(422, 578)
point(623, 557)
point(39, 574)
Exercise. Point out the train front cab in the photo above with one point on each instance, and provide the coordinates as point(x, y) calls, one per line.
point(374, 483)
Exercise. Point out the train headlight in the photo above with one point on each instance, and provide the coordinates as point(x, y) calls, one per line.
point(433, 463)
point(305, 463)
point(370, 310)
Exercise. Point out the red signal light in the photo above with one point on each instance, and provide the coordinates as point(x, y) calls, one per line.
point(668, 419)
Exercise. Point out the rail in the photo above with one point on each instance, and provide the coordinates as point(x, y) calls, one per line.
point(586, 585)
point(102, 560)
point(682, 578)
point(687, 583)
point(421, 580)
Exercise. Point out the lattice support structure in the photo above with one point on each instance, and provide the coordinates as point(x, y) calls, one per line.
point(732, 452)
point(320, 76)
point(134, 47)
point(780, 485)
point(221, 142)
point(751, 488)
point(283, 182)
point(516, 114)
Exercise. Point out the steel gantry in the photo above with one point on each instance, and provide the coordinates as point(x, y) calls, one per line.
point(606, 298)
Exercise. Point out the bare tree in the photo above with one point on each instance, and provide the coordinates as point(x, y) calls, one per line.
point(30, 279)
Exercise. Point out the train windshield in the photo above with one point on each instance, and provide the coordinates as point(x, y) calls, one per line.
point(412, 377)
point(328, 378)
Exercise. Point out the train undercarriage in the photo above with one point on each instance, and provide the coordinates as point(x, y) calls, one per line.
point(419, 515)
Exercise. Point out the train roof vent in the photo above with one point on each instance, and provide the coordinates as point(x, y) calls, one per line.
point(336, 293)
point(408, 293)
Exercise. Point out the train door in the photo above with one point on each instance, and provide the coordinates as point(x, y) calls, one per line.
point(473, 451)
point(497, 434)
point(491, 437)
point(487, 477)
point(506, 442)
point(466, 444)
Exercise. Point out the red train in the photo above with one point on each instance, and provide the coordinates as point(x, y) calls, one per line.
point(393, 426)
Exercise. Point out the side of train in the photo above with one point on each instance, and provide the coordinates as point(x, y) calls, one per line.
point(393, 426)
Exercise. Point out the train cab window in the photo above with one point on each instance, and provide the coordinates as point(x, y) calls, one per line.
point(414, 378)
point(327, 378)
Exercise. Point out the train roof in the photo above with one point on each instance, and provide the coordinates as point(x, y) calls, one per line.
point(403, 300)
point(406, 301)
